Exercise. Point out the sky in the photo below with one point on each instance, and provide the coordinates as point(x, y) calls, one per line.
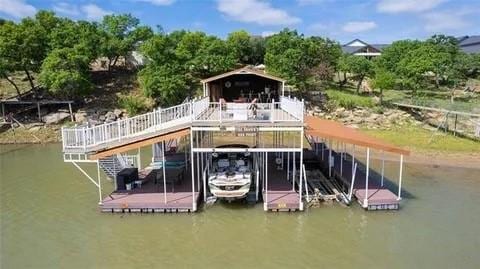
point(374, 21)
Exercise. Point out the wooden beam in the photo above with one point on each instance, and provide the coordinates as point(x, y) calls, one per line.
point(139, 144)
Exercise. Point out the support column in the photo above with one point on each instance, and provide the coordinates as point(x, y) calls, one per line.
point(164, 177)
point(99, 184)
point(265, 203)
point(194, 204)
point(71, 112)
point(288, 166)
point(38, 111)
point(301, 172)
point(294, 168)
point(365, 200)
point(330, 160)
point(400, 178)
point(383, 167)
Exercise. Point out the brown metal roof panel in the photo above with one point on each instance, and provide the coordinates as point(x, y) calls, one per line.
point(336, 131)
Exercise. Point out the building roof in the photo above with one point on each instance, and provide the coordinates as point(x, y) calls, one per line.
point(243, 71)
point(357, 44)
point(337, 131)
point(469, 44)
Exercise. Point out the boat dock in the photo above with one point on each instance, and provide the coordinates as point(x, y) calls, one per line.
point(236, 146)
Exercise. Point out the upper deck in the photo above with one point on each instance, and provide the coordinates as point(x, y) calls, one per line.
point(84, 139)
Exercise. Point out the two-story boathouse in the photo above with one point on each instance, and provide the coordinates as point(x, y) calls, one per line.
point(295, 158)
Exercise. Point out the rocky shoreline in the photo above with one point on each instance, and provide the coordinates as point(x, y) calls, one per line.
point(367, 118)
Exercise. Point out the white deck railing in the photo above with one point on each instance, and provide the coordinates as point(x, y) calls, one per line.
point(83, 138)
point(293, 106)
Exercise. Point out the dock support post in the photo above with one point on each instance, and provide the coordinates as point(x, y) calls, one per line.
point(294, 168)
point(265, 204)
point(301, 172)
point(139, 160)
point(383, 167)
point(192, 172)
point(330, 160)
point(71, 112)
point(353, 158)
point(198, 162)
point(400, 178)
point(288, 165)
point(341, 161)
point(38, 111)
point(99, 184)
point(163, 171)
point(365, 200)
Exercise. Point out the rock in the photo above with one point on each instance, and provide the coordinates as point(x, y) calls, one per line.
point(110, 116)
point(55, 118)
point(102, 118)
point(80, 117)
point(117, 112)
point(34, 129)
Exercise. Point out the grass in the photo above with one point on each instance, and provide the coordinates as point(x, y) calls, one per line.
point(420, 139)
point(347, 98)
point(7, 90)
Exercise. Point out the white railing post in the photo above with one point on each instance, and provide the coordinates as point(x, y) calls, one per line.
point(84, 133)
point(272, 111)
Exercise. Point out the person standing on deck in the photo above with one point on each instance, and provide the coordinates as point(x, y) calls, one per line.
point(253, 108)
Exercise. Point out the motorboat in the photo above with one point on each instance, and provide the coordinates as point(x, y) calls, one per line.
point(231, 175)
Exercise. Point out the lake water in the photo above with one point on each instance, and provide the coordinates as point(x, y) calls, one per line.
point(49, 219)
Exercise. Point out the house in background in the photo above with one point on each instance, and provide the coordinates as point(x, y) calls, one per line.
point(361, 48)
point(469, 44)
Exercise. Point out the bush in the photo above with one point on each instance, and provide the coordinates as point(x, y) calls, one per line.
point(349, 100)
point(134, 104)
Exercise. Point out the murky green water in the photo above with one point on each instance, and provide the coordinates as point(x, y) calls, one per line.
point(49, 219)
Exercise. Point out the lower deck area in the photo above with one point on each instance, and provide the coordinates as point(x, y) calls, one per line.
point(280, 193)
point(152, 196)
point(372, 196)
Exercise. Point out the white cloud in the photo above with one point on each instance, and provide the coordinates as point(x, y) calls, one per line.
point(94, 12)
point(442, 21)
point(358, 26)
point(397, 6)
point(268, 33)
point(17, 8)
point(255, 11)
point(158, 2)
point(66, 9)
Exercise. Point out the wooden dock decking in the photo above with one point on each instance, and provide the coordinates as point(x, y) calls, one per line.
point(149, 198)
point(379, 197)
point(281, 196)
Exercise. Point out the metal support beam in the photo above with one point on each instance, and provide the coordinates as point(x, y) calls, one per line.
point(194, 205)
point(400, 178)
point(99, 184)
point(265, 205)
point(164, 176)
point(365, 200)
point(301, 172)
point(383, 167)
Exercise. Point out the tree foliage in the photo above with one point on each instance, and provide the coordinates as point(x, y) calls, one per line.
point(293, 56)
point(120, 34)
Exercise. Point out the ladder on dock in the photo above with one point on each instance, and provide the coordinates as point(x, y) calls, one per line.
point(113, 164)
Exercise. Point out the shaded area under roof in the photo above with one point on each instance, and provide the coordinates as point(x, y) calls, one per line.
point(336, 131)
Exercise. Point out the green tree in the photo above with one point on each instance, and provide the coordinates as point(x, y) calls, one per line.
point(65, 72)
point(293, 57)
point(383, 80)
point(165, 83)
point(239, 44)
point(120, 34)
point(360, 67)
point(24, 46)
